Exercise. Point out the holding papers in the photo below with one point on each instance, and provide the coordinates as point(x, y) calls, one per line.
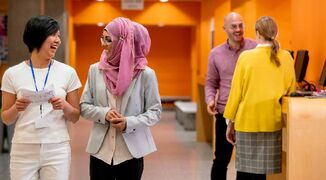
point(40, 97)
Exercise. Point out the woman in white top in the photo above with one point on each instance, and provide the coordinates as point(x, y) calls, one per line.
point(40, 95)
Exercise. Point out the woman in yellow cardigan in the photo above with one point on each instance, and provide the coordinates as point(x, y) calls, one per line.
point(262, 76)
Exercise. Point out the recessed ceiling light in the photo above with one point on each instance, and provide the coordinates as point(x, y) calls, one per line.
point(160, 24)
point(100, 24)
point(100, 0)
point(164, 0)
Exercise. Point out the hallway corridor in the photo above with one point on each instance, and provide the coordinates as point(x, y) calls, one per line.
point(179, 156)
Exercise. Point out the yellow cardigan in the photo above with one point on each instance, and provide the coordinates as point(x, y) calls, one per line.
point(257, 88)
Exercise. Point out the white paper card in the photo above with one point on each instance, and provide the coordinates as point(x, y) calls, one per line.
point(40, 96)
point(43, 120)
point(41, 123)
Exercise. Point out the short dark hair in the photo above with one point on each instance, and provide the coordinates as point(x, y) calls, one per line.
point(37, 29)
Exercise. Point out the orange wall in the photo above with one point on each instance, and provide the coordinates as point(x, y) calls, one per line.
point(169, 56)
point(88, 48)
point(302, 25)
point(174, 49)
point(195, 55)
point(207, 14)
point(154, 13)
point(248, 9)
point(309, 29)
point(280, 10)
point(222, 8)
point(71, 41)
point(251, 10)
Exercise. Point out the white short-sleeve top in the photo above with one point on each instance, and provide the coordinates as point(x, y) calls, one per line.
point(64, 80)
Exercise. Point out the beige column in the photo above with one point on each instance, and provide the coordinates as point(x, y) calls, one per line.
point(19, 12)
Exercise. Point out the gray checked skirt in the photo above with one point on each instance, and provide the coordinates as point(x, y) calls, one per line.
point(259, 153)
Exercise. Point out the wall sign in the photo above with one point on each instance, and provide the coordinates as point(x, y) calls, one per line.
point(132, 4)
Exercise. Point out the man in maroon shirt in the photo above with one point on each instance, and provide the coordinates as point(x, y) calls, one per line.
point(221, 64)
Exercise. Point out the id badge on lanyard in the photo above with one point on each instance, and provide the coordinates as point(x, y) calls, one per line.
point(40, 122)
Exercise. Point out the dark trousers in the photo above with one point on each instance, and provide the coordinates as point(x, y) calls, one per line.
point(223, 150)
point(250, 176)
point(128, 170)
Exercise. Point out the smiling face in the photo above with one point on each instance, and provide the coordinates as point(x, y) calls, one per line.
point(50, 45)
point(234, 27)
point(106, 42)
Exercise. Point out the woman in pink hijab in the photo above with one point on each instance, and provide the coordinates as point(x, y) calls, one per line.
point(121, 98)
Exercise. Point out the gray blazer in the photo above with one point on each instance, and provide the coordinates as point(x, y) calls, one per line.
point(141, 105)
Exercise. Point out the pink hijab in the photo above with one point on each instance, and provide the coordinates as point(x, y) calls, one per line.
point(131, 44)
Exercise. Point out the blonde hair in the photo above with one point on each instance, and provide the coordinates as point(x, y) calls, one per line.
point(267, 27)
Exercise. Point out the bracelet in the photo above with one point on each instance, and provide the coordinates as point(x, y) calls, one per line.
point(230, 123)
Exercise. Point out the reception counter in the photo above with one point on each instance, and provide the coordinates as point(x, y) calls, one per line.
point(304, 136)
point(304, 139)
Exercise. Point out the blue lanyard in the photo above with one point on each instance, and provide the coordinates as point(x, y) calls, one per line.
point(46, 77)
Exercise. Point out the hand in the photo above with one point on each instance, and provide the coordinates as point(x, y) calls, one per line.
point(58, 103)
point(21, 104)
point(112, 114)
point(211, 108)
point(230, 136)
point(116, 120)
point(119, 123)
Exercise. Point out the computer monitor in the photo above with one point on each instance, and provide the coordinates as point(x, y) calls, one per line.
point(322, 80)
point(300, 65)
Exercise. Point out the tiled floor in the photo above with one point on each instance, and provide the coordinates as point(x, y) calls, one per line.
point(4, 166)
point(179, 156)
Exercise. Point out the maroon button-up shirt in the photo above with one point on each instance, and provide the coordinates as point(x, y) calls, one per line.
point(221, 64)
